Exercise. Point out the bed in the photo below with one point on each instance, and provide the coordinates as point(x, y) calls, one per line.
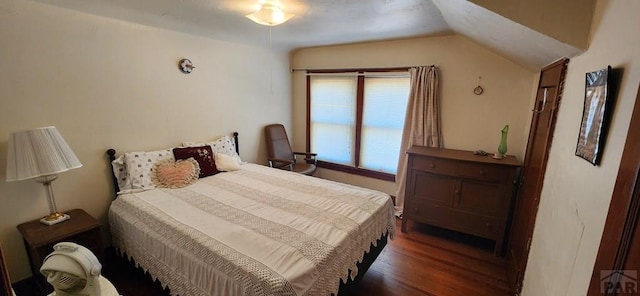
point(250, 230)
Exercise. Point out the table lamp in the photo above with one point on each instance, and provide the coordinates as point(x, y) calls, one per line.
point(40, 153)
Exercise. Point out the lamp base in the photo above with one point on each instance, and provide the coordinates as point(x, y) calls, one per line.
point(54, 218)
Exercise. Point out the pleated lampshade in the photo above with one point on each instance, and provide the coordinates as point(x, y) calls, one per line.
point(37, 153)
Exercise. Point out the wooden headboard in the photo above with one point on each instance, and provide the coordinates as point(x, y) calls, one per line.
point(111, 153)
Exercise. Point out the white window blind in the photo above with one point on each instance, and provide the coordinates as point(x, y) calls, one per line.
point(333, 113)
point(385, 104)
point(333, 110)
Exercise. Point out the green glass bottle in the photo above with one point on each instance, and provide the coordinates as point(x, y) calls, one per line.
point(502, 148)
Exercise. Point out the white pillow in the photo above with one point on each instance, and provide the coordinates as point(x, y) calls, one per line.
point(120, 172)
point(226, 163)
point(139, 166)
point(224, 144)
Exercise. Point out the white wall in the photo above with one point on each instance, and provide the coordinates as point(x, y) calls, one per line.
point(576, 195)
point(469, 122)
point(108, 83)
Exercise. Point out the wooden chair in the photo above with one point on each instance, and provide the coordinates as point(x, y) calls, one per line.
point(280, 155)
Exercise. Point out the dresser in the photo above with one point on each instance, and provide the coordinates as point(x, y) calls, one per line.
point(460, 191)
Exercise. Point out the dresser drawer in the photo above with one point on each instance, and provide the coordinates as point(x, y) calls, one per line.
point(461, 221)
point(435, 165)
point(478, 225)
point(482, 172)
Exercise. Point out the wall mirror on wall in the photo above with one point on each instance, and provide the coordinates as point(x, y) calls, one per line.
point(597, 105)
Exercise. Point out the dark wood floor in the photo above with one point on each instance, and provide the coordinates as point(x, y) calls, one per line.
point(431, 261)
point(424, 261)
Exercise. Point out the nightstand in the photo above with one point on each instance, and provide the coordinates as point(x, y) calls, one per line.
point(39, 239)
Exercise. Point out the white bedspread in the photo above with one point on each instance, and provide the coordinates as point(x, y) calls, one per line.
point(255, 231)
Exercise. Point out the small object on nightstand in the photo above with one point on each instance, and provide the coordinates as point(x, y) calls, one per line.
point(54, 218)
point(39, 239)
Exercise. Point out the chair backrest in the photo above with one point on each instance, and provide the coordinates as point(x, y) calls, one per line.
point(278, 145)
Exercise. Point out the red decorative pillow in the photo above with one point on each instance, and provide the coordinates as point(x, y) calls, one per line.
point(203, 155)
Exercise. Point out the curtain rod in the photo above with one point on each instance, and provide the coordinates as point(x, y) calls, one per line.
point(358, 69)
point(378, 74)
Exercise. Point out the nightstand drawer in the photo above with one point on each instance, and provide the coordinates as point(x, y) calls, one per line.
point(91, 239)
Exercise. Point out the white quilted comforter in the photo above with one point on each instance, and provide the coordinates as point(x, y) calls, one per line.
point(255, 231)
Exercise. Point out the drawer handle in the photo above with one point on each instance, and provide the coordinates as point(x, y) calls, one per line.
point(489, 226)
point(482, 173)
point(416, 210)
point(432, 165)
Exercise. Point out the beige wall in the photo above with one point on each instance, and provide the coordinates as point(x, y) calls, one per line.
point(469, 122)
point(567, 21)
point(107, 83)
point(576, 195)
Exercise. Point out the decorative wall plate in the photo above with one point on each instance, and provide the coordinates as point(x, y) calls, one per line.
point(185, 66)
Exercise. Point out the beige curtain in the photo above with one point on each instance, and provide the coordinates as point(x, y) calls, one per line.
point(421, 123)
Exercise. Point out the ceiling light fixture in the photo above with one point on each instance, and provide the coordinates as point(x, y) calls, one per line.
point(270, 14)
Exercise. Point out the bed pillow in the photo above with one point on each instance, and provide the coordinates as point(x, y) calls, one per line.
point(139, 166)
point(224, 144)
point(120, 173)
point(175, 174)
point(226, 163)
point(202, 154)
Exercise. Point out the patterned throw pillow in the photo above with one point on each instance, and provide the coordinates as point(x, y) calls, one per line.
point(175, 174)
point(139, 166)
point(224, 144)
point(203, 155)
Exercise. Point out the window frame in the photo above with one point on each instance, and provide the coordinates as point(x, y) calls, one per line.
point(359, 113)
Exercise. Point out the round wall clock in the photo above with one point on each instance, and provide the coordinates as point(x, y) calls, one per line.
point(185, 66)
point(478, 90)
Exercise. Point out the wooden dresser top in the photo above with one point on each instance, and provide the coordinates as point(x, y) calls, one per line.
point(462, 155)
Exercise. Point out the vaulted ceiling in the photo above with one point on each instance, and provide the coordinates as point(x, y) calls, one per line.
point(531, 33)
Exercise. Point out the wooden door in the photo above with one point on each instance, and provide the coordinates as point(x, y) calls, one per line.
point(5, 283)
point(618, 262)
point(532, 176)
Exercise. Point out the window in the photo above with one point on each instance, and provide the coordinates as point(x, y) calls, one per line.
point(356, 120)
